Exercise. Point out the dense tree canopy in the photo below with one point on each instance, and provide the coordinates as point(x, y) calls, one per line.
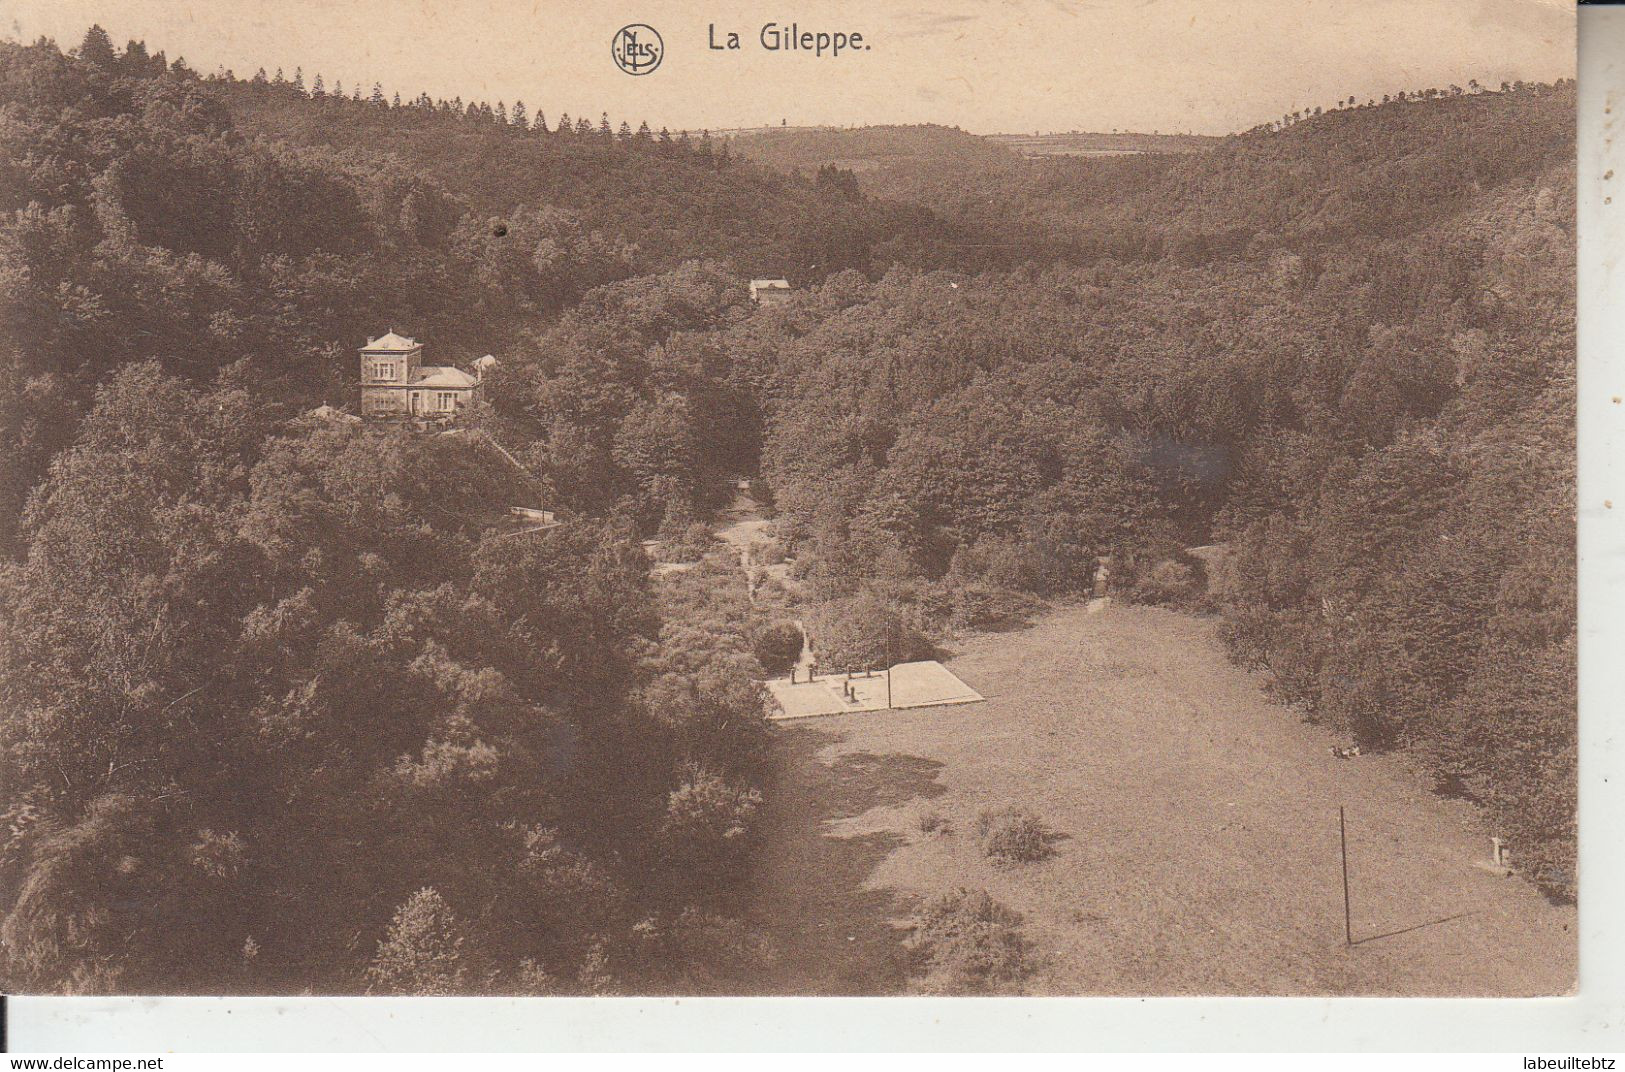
point(290, 703)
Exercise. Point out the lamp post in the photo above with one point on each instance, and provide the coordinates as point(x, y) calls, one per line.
point(890, 627)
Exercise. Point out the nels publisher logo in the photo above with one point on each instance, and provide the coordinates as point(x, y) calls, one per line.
point(637, 49)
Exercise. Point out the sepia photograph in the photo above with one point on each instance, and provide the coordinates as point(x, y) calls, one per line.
point(979, 497)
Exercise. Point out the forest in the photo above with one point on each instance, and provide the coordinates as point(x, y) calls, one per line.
point(285, 710)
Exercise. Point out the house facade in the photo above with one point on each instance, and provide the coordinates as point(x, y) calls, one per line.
point(770, 291)
point(395, 383)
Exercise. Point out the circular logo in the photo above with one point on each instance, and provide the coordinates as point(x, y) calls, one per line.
point(637, 49)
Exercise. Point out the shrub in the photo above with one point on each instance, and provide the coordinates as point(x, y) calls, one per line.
point(932, 821)
point(778, 646)
point(767, 551)
point(772, 594)
point(970, 944)
point(685, 543)
point(981, 607)
point(706, 832)
point(863, 633)
point(702, 952)
point(1014, 835)
point(1002, 562)
point(1172, 582)
point(423, 951)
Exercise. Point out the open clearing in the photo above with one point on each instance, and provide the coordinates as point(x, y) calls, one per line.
point(1200, 848)
point(921, 684)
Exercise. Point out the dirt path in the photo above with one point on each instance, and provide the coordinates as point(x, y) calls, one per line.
point(742, 522)
point(743, 525)
point(1201, 852)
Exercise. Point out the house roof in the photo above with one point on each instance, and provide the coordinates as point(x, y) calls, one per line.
point(443, 376)
point(392, 343)
point(770, 284)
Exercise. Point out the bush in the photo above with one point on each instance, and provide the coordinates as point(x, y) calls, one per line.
point(865, 632)
point(706, 832)
point(981, 607)
point(1014, 835)
point(702, 952)
point(932, 821)
point(772, 594)
point(1172, 582)
point(685, 543)
point(423, 951)
point(970, 944)
point(778, 646)
point(1003, 562)
point(767, 551)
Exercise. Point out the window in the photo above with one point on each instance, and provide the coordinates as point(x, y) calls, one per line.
point(446, 401)
point(382, 370)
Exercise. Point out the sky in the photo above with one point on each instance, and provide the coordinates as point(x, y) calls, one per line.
point(987, 66)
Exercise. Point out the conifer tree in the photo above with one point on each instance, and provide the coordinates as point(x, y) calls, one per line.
point(317, 89)
point(298, 78)
point(377, 97)
point(135, 59)
point(604, 129)
point(97, 48)
point(519, 117)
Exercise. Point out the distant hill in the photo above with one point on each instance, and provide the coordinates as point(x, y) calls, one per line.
point(866, 149)
point(674, 196)
point(1379, 169)
point(1087, 144)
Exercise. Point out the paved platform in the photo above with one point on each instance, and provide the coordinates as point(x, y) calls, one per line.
point(922, 684)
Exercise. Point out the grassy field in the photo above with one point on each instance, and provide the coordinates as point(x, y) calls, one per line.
point(1199, 821)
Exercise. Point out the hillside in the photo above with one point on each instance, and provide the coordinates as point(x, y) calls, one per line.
point(865, 149)
point(1376, 169)
point(672, 195)
point(214, 222)
point(1076, 143)
point(285, 712)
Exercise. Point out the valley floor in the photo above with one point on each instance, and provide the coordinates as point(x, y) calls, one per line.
point(1200, 853)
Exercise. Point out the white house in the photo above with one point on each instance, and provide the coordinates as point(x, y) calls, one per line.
point(396, 383)
point(769, 291)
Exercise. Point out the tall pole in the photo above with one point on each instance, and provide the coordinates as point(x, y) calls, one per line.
point(1343, 838)
point(889, 629)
